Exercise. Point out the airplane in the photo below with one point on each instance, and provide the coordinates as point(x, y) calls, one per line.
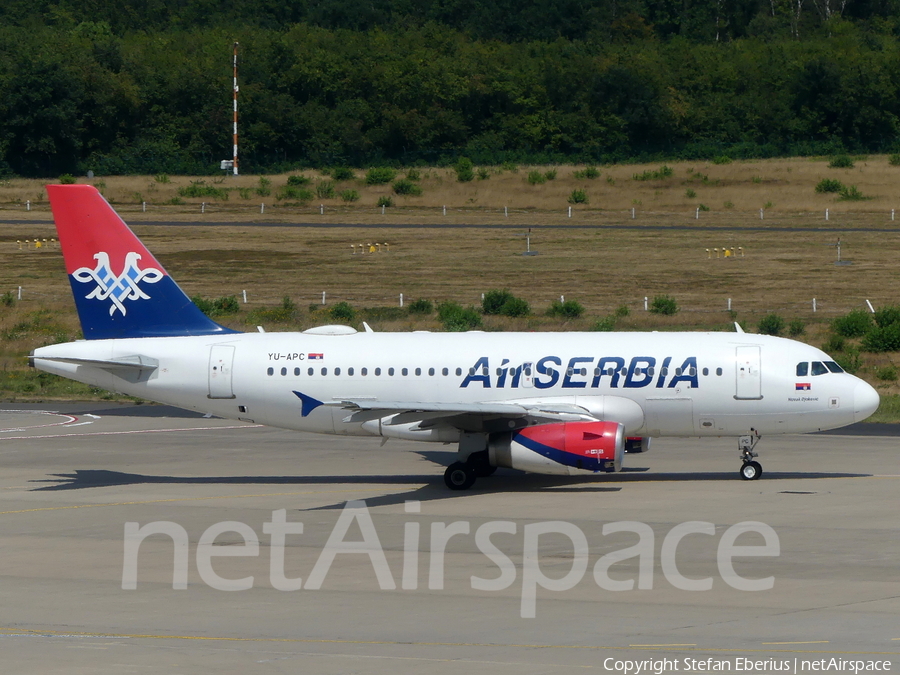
point(549, 403)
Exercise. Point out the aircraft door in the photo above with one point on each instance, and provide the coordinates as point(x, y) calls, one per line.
point(748, 373)
point(221, 360)
point(528, 375)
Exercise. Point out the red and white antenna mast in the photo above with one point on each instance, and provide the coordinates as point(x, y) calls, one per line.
point(234, 166)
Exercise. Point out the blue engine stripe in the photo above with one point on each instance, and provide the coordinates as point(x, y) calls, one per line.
point(560, 456)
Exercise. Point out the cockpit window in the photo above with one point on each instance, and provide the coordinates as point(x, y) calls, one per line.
point(802, 369)
point(833, 367)
point(819, 368)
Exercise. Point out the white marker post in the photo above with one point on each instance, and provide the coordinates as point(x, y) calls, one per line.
point(321, 209)
point(632, 213)
point(729, 304)
point(323, 297)
point(144, 207)
point(19, 297)
point(646, 307)
point(445, 210)
point(506, 211)
point(262, 208)
point(401, 299)
point(245, 296)
point(202, 207)
point(760, 214)
point(871, 309)
point(570, 212)
point(814, 305)
point(697, 214)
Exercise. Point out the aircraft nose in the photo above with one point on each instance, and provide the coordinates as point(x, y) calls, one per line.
point(865, 401)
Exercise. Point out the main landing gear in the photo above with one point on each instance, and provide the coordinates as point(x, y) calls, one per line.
point(462, 475)
point(750, 470)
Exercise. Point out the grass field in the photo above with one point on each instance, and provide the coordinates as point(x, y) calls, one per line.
point(602, 267)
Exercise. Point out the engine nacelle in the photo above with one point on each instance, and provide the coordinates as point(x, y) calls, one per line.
point(637, 444)
point(568, 448)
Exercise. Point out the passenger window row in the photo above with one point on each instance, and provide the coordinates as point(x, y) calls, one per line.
point(484, 371)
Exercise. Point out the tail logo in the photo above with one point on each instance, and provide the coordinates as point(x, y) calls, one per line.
point(114, 288)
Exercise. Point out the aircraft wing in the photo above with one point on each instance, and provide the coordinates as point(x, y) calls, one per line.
point(429, 414)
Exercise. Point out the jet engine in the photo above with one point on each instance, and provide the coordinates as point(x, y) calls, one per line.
point(568, 448)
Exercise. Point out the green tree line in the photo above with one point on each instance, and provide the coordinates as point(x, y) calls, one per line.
point(85, 94)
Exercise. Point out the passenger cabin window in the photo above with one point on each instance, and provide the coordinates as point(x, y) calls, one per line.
point(324, 371)
point(818, 368)
point(445, 372)
point(719, 371)
point(802, 369)
point(418, 371)
point(350, 371)
point(363, 371)
point(404, 372)
point(270, 371)
point(284, 371)
point(310, 371)
point(459, 371)
point(296, 371)
point(377, 371)
point(391, 372)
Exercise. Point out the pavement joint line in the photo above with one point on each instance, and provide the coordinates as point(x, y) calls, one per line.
point(132, 431)
point(177, 499)
point(686, 644)
point(810, 642)
point(406, 643)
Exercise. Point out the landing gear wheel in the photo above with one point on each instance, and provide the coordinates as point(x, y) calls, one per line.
point(751, 470)
point(480, 464)
point(459, 476)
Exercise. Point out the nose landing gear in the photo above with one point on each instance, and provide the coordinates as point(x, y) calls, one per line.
point(750, 470)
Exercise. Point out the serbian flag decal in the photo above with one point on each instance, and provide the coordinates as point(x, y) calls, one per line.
point(802, 386)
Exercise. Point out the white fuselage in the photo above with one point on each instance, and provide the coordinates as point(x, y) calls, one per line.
point(655, 384)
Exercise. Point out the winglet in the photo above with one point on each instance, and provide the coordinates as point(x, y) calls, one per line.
point(737, 327)
point(308, 403)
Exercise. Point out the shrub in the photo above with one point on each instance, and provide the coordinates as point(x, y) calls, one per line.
point(796, 328)
point(535, 177)
point(829, 185)
point(465, 172)
point(292, 193)
point(297, 181)
point(834, 344)
point(578, 196)
point(483, 173)
point(342, 311)
point(851, 361)
point(199, 188)
point(264, 189)
point(421, 306)
point(342, 173)
point(404, 186)
point(245, 193)
point(882, 339)
point(605, 325)
point(664, 304)
point(689, 193)
point(703, 207)
point(385, 201)
point(894, 160)
point(721, 159)
point(8, 299)
point(67, 179)
point(570, 309)
point(325, 189)
point(413, 174)
point(841, 162)
point(349, 195)
point(455, 317)
point(622, 311)
point(851, 194)
point(770, 324)
point(587, 173)
point(516, 307)
point(550, 175)
point(380, 175)
point(887, 316)
point(886, 373)
point(853, 324)
point(218, 307)
point(505, 303)
point(161, 178)
point(663, 172)
point(509, 166)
